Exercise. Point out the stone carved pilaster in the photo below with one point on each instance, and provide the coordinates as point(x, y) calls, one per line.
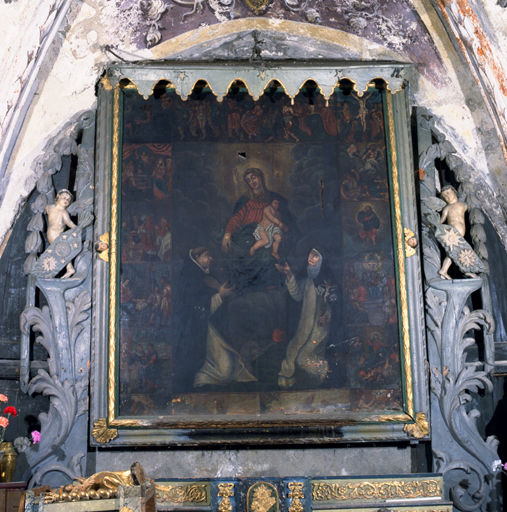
point(466, 460)
point(459, 448)
point(64, 324)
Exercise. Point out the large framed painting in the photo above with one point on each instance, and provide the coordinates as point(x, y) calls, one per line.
point(261, 282)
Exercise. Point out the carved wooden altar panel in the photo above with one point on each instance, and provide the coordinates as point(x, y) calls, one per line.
point(399, 493)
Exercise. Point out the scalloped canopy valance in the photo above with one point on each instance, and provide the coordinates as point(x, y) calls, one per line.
point(257, 76)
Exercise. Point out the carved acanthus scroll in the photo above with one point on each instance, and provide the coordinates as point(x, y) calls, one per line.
point(457, 444)
point(64, 326)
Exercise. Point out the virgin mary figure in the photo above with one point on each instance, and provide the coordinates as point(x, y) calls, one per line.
point(257, 270)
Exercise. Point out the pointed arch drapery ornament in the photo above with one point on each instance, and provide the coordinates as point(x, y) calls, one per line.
point(257, 76)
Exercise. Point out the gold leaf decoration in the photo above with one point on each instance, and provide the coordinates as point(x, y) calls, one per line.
point(418, 429)
point(400, 242)
point(104, 255)
point(262, 497)
point(225, 491)
point(371, 490)
point(296, 493)
point(101, 433)
point(409, 246)
point(106, 83)
point(181, 493)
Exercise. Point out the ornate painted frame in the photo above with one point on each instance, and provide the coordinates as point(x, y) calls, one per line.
point(106, 425)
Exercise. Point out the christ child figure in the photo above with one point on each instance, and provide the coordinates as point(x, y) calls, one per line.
point(58, 219)
point(454, 215)
point(269, 230)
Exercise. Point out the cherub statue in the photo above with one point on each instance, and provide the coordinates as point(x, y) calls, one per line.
point(454, 214)
point(102, 247)
point(450, 229)
point(411, 242)
point(58, 219)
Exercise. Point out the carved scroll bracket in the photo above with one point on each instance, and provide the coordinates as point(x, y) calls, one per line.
point(63, 325)
point(461, 454)
point(453, 379)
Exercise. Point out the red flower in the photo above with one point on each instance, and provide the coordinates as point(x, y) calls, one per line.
point(277, 335)
point(11, 410)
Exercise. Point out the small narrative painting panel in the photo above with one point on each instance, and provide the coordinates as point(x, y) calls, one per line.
point(257, 277)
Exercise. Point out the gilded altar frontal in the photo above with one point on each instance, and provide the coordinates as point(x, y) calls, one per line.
point(255, 246)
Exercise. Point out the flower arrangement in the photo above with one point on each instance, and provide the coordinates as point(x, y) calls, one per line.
point(4, 418)
point(21, 443)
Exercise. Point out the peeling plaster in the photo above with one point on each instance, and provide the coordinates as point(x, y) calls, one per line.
point(38, 25)
point(355, 46)
point(483, 62)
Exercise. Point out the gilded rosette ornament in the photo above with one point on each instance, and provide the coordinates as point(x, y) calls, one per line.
point(262, 497)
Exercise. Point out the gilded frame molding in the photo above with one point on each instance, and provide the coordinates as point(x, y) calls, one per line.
point(128, 431)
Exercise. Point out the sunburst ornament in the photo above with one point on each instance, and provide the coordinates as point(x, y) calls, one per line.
point(467, 258)
point(450, 237)
point(49, 264)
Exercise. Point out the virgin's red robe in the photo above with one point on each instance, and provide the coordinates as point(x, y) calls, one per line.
point(251, 211)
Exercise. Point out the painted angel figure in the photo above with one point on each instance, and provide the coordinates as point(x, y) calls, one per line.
point(450, 229)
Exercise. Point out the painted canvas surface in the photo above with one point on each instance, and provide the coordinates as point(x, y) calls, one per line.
point(256, 257)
